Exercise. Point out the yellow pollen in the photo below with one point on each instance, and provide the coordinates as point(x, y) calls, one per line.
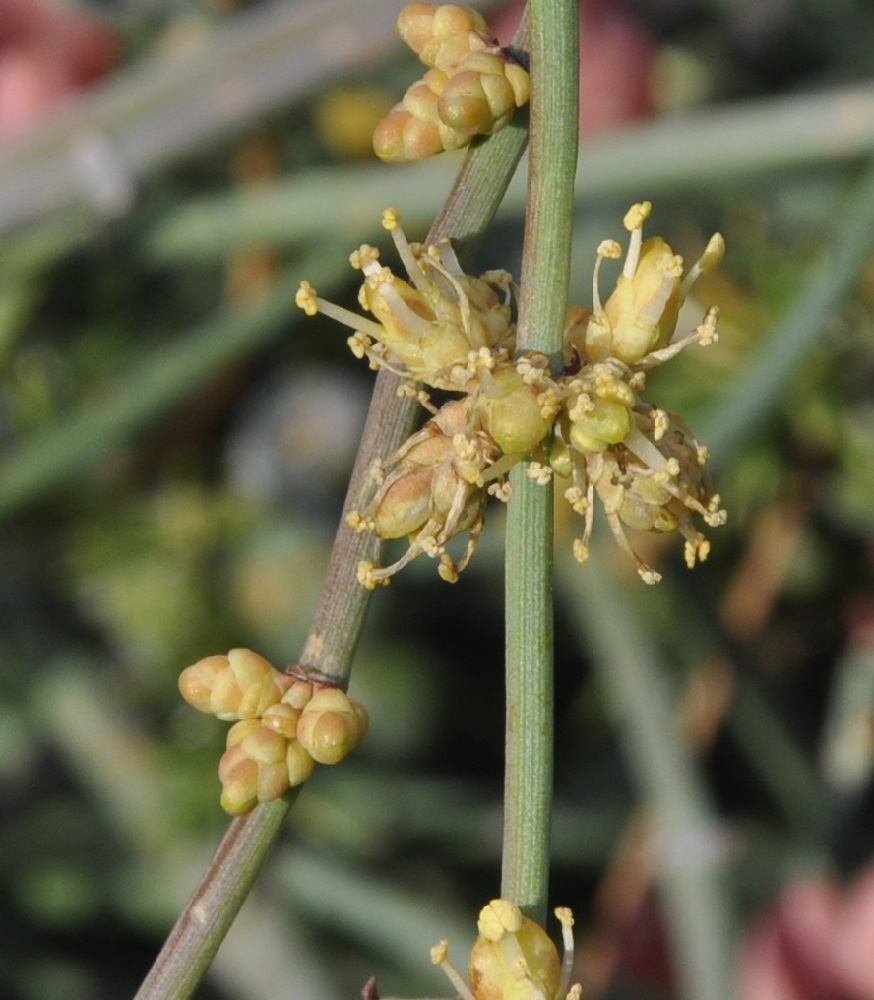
point(671, 266)
point(501, 491)
point(541, 474)
point(305, 298)
point(610, 249)
point(497, 918)
point(440, 952)
point(637, 215)
point(368, 575)
point(390, 218)
point(359, 343)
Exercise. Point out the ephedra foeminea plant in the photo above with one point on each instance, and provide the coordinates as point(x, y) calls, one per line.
point(537, 391)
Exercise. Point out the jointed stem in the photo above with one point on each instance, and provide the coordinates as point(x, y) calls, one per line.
point(339, 618)
point(543, 302)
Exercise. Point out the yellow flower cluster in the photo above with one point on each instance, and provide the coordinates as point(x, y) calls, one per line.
point(283, 724)
point(513, 958)
point(471, 87)
point(588, 423)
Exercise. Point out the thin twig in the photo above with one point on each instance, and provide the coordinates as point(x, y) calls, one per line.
point(528, 584)
point(340, 615)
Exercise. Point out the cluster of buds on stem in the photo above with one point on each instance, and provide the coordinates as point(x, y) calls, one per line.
point(588, 423)
point(472, 86)
point(513, 958)
point(284, 724)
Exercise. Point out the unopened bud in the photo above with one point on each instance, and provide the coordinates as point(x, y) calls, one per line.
point(331, 726)
point(298, 763)
point(197, 681)
point(239, 778)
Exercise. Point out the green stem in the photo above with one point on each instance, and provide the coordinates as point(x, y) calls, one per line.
point(339, 618)
point(543, 301)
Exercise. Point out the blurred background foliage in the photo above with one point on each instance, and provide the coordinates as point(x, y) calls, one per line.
point(175, 442)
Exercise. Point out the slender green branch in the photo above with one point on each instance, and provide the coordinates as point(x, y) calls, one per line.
point(339, 618)
point(543, 302)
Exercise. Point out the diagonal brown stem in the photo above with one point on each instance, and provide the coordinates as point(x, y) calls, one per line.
point(339, 618)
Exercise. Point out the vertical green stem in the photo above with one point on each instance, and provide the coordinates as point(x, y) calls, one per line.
point(543, 301)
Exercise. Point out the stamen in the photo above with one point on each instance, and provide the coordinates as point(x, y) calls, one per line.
point(391, 220)
point(633, 222)
point(611, 250)
point(567, 936)
point(440, 956)
point(311, 304)
point(369, 576)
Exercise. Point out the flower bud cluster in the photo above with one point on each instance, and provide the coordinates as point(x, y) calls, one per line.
point(513, 958)
point(283, 724)
point(589, 423)
point(471, 87)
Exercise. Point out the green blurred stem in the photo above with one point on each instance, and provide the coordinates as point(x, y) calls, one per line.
point(688, 844)
point(339, 618)
point(759, 389)
point(542, 306)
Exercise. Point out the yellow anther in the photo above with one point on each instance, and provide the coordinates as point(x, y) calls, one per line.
point(499, 917)
point(671, 266)
point(565, 916)
point(637, 215)
point(576, 498)
point(485, 358)
point(541, 474)
point(359, 343)
point(368, 575)
point(440, 952)
point(581, 550)
point(363, 256)
point(609, 249)
point(390, 219)
point(430, 546)
point(305, 298)
point(707, 331)
point(501, 491)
